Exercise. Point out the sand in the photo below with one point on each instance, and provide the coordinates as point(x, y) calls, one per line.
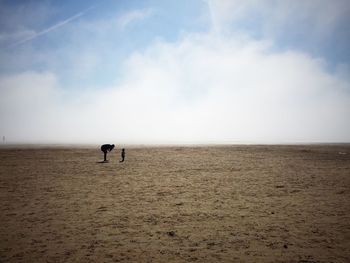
point(176, 204)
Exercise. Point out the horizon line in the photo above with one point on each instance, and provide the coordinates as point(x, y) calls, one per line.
point(86, 145)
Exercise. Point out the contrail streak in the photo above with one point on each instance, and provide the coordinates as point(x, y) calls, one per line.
point(52, 28)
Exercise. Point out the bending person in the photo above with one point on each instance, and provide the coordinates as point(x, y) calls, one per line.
point(106, 148)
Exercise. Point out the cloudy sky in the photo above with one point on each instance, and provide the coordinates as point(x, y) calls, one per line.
point(154, 71)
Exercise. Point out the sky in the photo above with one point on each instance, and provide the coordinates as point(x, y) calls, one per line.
point(168, 72)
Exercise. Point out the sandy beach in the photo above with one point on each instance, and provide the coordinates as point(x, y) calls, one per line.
point(241, 203)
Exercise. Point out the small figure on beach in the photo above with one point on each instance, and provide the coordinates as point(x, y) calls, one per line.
point(106, 148)
point(122, 155)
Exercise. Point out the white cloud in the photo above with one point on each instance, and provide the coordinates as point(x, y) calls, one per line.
point(315, 19)
point(27, 102)
point(132, 17)
point(204, 88)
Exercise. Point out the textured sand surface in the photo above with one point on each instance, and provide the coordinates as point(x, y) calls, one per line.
point(176, 204)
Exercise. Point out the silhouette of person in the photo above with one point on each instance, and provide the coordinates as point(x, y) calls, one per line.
point(106, 148)
point(122, 155)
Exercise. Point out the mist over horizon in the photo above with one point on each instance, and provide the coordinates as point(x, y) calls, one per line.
point(209, 72)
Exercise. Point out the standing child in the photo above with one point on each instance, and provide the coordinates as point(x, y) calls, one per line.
point(122, 155)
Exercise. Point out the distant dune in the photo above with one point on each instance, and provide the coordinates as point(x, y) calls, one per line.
point(176, 204)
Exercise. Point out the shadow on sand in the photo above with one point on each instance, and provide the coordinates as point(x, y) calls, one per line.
point(102, 162)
